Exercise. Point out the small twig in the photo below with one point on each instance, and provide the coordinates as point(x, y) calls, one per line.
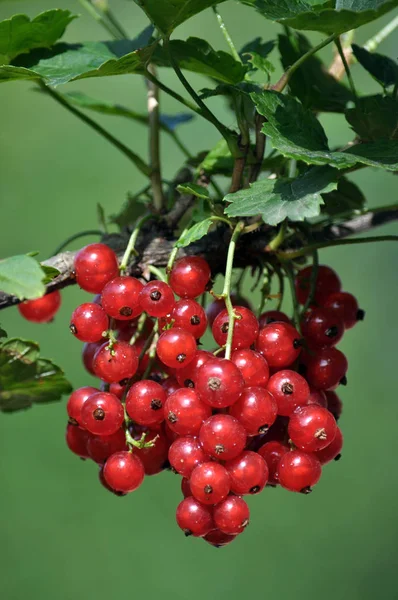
point(227, 287)
point(346, 66)
point(291, 254)
point(100, 18)
point(337, 68)
point(225, 33)
point(154, 142)
point(131, 245)
point(260, 148)
point(376, 40)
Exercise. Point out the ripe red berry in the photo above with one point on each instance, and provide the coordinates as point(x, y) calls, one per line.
point(334, 404)
point(76, 402)
point(186, 453)
point(76, 440)
point(312, 428)
point(218, 538)
point(176, 348)
point(327, 282)
point(279, 343)
point(218, 305)
point(248, 473)
point(88, 353)
point(185, 487)
point(299, 471)
point(154, 458)
point(116, 363)
point(185, 412)
point(331, 452)
point(222, 437)
point(170, 385)
point(245, 328)
point(101, 447)
point(325, 369)
point(253, 366)
point(41, 310)
point(194, 518)
point(145, 402)
point(88, 322)
point(190, 276)
point(102, 414)
point(120, 298)
point(124, 472)
point(290, 390)
point(270, 316)
point(322, 327)
point(346, 307)
point(232, 515)
point(187, 375)
point(219, 382)
point(272, 453)
point(210, 483)
point(95, 265)
point(256, 410)
point(317, 397)
point(117, 389)
point(189, 315)
point(157, 299)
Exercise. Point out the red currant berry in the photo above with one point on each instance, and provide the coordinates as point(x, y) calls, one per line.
point(190, 276)
point(41, 310)
point(189, 315)
point(105, 484)
point(272, 453)
point(232, 515)
point(299, 471)
point(222, 437)
point(322, 327)
point(145, 402)
point(121, 298)
point(217, 306)
point(256, 410)
point(185, 487)
point(334, 404)
point(101, 447)
point(245, 328)
point(253, 366)
point(76, 402)
point(248, 473)
point(116, 363)
point(186, 453)
point(327, 282)
point(170, 385)
point(210, 483)
point(176, 348)
point(346, 307)
point(279, 343)
point(270, 316)
point(88, 322)
point(325, 369)
point(187, 375)
point(102, 414)
point(312, 428)
point(77, 440)
point(331, 452)
point(88, 353)
point(219, 382)
point(290, 390)
point(194, 518)
point(185, 412)
point(95, 265)
point(218, 538)
point(154, 458)
point(124, 472)
point(117, 389)
point(317, 397)
point(157, 299)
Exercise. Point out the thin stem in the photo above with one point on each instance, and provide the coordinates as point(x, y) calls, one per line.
point(374, 41)
point(131, 245)
point(292, 254)
point(173, 253)
point(313, 279)
point(279, 238)
point(76, 236)
point(154, 142)
point(119, 28)
point(346, 66)
point(292, 168)
point(173, 94)
point(296, 312)
point(337, 68)
point(225, 33)
point(175, 137)
point(157, 272)
point(227, 287)
point(260, 148)
point(99, 17)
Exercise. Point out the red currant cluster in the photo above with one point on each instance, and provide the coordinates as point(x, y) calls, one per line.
point(260, 410)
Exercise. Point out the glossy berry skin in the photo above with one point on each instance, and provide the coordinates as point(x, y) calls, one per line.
point(157, 299)
point(256, 410)
point(245, 328)
point(232, 515)
point(327, 282)
point(117, 389)
point(88, 353)
point(334, 404)
point(124, 472)
point(116, 364)
point(248, 473)
point(194, 518)
point(88, 322)
point(218, 538)
point(170, 385)
point(186, 453)
point(279, 343)
point(312, 428)
point(290, 391)
point(186, 376)
point(331, 452)
point(322, 327)
point(222, 437)
point(176, 348)
point(345, 306)
point(272, 453)
point(190, 276)
point(76, 401)
point(76, 440)
point(94, 266)
point(218, 305)
point(253, 366)
point(325, 369)
point(317, 397)
point(145, 402)
point(154, 458)
point(298, 471)
point(120, 298)
point(185, 487)
point(219, 382)
point(41, 310)
point(270, 316)
point(185, 412)
point(101, 447)
point(210, 483)
point(102, 414)
point(189, 315)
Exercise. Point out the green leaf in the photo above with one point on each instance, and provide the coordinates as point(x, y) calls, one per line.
point(3, 334)
point(218, 160)
point(382, 68)
point(279, 199)
point(196, 55)
point(22, 277)
point(134, 207)
point(195, 233)
point(166, 15)
point(312, 83)
point(20, 34)
point(194, 189)
point(258, 47)
point(25, 378)
point(374, 117)
point(49, 273)
point(260, 63)
point(346, 198)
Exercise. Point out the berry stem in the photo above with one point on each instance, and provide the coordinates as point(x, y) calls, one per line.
point(279, 238)
point(346, 66)
point(292, 254)
point(76, 236)
point(174, 252)
point(157, 272)
point(141, 443)
point(313, 278)
point(374, 41)
point(140, 327)
point(131, 245)
point(154, 142)
point(226, 294)
point(226, 35)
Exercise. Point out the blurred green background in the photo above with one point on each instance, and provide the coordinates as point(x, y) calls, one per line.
point(63, 536)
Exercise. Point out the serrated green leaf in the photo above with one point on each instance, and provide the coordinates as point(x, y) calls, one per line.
point(25, 378)
point(166, 15)
point(19, 34)
point(347, 197)
point(279, 199)
point(49, 273)
point(374, 117)
point(260, 63)
point(3, 333)
point(382, 68)
point(22, 277)
point(312, 83)
point(195, 233)
point(258, 46)
point(194, 189)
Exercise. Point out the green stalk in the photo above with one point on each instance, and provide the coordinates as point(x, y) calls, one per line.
point(376, 40)
point(292, 254)
point(131, 245)
point(99, 17)
point(76, 236)
point(346, 66)
point(226, 293)
point(226, 35)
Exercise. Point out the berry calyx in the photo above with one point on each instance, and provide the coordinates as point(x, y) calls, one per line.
point(290, 390)
point(124, 472)
point(176, 348)
point(312, 428)
point(145, 402)
point(332, 451)
point(157, 299)
point(102, 414)
point(94, 266)
point(88, 322)
point(189, 315)
point(210, 483)
point(185, 412)
point(219, 382)
point(222, 437)
point(41, 310)
point(245, 328)
point(115, 363)
point(120, 298)
point(186, 377)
